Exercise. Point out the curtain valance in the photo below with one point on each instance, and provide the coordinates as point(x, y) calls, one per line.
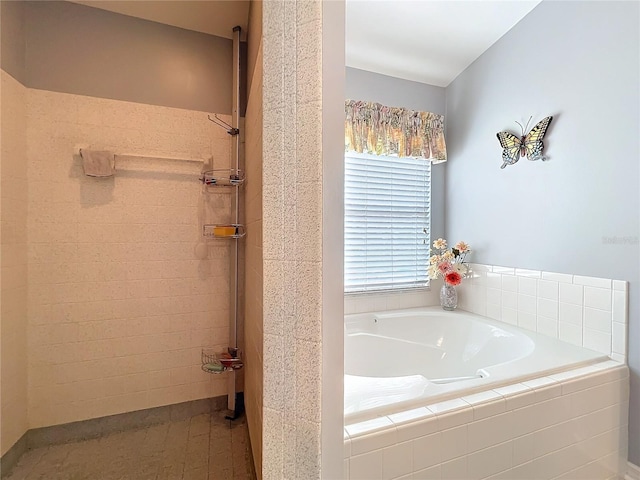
point(380, 130)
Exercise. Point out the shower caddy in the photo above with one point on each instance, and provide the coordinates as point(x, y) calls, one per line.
point(229, 361)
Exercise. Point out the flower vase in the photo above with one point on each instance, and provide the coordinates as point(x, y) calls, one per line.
point(448, 297)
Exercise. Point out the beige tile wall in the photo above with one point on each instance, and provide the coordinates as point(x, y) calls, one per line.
point(292, 238)
point(119, 305)
point(253, 251)
point(13, 326)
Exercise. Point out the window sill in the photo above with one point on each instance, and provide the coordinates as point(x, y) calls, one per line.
point(385, 300)
point(392, 291)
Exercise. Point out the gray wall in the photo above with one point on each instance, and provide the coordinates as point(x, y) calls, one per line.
point(396, 92)
point(12, 41)
point(577, 61)
point(82, 50)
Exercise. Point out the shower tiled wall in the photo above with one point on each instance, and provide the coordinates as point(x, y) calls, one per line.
point(254, 283)
point(119, 305)
point(291, 239)
point(13, 262)
point(584, 311)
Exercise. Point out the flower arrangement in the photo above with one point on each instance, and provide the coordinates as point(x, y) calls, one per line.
point(449, 263)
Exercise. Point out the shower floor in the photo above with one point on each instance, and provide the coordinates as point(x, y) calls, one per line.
point(204, 447)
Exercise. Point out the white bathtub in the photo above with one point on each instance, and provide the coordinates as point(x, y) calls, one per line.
point(401, 359)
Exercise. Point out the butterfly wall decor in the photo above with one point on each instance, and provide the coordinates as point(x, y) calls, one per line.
point(530, 144)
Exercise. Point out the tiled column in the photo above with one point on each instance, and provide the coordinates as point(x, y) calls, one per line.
point(292, 242)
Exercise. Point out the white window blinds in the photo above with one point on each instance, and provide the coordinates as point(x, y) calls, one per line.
point(386, 209)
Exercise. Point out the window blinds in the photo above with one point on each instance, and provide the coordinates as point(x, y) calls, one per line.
point(386, 209)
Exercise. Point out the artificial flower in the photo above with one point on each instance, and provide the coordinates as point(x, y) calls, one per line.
point(462, 247)
point(433, 271)
point(444, 267)
point(453, 278)
point(443, 261)
point(440, 244)
point(461, 268)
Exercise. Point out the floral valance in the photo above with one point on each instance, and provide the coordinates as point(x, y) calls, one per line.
point(376, 129)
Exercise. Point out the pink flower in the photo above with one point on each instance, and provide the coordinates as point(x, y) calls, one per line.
point(453, 278)
point(444, 267)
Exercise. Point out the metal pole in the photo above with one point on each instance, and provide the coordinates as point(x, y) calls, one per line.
point(235, 207)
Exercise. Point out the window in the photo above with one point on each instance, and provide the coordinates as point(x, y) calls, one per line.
point(387, 204)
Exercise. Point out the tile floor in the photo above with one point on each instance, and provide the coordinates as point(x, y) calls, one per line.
point(204, 447)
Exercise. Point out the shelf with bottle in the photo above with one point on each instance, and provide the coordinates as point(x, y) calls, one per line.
point(228, 230)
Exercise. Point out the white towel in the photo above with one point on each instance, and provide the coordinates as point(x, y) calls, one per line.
point(97, 163)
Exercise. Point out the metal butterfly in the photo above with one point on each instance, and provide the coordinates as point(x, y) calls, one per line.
point(530, 144)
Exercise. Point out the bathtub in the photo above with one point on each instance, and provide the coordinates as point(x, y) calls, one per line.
point(397, 360)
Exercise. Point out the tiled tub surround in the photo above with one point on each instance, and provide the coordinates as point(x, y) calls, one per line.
point(572, 425)
point(585, 311)
point(569, 425)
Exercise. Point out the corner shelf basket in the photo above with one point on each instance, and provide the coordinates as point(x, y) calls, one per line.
point(217, 363)
point(225, 177)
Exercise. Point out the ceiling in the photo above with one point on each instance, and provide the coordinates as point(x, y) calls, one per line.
point(429, 41)
point(208, 16)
